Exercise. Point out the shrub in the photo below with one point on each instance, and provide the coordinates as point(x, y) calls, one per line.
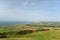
point(3, 35)
point(22, 32)
point(42, 29)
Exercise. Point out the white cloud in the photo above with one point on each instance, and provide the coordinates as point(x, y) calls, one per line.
point(5, 12)
point(19, 13)
point(32, 3)
point(2, 9)
point(26, 3)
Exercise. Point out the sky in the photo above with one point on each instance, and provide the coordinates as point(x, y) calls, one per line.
point(29, 10)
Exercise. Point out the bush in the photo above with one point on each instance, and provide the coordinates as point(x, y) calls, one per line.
point(22, 32)
point(3, 35)
point(42, 29)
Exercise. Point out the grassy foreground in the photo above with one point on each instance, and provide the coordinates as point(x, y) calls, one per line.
point(43, 35)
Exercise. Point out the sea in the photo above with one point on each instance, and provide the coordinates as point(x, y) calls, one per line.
point(14, 22)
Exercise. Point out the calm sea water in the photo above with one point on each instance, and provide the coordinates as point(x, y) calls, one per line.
point(11, 23)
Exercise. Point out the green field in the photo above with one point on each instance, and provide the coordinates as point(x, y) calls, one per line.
point(45, 35)
point(29, 32)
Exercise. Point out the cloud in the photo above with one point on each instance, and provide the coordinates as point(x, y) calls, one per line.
point(5, 12)
point(29, 11)
point(32, 3)
point(3, 9)
point(26, 3)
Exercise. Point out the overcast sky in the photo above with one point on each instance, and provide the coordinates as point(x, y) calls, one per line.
point(29, 10)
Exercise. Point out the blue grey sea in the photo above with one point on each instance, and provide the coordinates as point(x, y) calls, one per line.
point(15, 22)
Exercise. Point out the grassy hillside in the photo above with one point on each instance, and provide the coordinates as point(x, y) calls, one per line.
point(29, 32)
point(45, 35)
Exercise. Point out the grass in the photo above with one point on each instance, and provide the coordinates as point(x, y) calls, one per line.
point(36, 35)
point(44, 35)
